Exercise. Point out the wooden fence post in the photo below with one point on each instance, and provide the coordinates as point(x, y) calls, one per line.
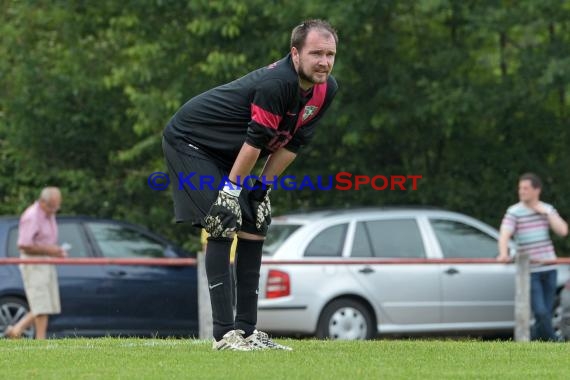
point(522, 298)
point(204, 306)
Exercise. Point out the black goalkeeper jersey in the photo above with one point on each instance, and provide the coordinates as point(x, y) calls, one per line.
point(265, 108)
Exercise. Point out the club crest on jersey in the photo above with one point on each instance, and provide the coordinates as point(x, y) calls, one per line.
point(309, 111)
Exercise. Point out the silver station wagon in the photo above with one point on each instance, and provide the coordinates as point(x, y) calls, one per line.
point(354, 274)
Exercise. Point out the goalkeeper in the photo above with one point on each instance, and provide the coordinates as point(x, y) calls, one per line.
point(267, 114)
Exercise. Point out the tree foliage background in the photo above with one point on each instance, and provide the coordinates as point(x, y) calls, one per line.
point(468, 94)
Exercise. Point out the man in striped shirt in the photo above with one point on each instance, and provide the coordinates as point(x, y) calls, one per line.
point(529, 221)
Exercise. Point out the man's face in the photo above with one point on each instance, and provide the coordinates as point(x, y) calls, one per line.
point(316, 59)
point(51, 206)
point(527, 193)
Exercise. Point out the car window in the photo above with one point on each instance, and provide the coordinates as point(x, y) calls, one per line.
point(72, 234)
point(459, 240)
point(361, 246)
point(328, 243)
point(13, 243)
point(67, 232)
point(118, 241)
point(397, 238)
point(276, 235)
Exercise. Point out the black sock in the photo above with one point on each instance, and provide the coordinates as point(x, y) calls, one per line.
point(218, 272)
point(248, 263)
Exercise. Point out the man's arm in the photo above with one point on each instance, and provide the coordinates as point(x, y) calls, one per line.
point(277, 163)
point(259, 196)
point(558, 225)
point(44, 249)
point(247, 157)
point(244, 163)
point(504, 238)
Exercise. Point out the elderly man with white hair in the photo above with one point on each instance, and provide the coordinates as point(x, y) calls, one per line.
point(37, 238)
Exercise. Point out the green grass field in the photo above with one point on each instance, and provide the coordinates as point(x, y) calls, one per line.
point(110, 358)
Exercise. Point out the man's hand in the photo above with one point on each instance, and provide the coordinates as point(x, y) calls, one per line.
point(541, 208)
point(56, 251)
point(224, 217)
point(261, 205)
point(504, 258)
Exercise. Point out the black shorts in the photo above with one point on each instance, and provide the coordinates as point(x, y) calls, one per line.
point(195, 182)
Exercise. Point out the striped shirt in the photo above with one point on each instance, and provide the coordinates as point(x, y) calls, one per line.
point(531, 231)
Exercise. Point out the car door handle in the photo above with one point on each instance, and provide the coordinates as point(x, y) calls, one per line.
point(366, 270)
point(451, 271)
point(117, 273)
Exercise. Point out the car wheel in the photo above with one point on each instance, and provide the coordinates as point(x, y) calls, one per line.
point(13, 309)
point(345, 319)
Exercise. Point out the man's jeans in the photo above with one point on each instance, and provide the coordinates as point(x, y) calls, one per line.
point(542, 294)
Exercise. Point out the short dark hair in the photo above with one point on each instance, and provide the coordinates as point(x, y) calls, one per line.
point(300, 32)
point(535, 180)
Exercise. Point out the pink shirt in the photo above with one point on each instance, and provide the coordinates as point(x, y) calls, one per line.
point(36, 227)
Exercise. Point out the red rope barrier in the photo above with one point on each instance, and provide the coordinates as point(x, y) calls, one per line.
point(192, 262)
point(101, 261)
point(328, 261)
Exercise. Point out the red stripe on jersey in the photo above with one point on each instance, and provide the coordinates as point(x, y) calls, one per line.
point(265, 118)
point(314, 105)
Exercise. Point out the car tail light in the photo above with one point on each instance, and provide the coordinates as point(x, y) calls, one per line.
point(278, 284)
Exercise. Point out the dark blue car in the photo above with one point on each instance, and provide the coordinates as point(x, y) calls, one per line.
point(99, 300)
